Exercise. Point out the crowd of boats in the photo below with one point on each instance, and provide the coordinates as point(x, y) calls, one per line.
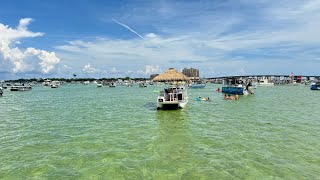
point(174, 95)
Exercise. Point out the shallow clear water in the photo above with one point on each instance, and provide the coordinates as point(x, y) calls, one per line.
point(84, 132)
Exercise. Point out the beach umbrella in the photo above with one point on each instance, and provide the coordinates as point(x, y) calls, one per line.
point(171, 75)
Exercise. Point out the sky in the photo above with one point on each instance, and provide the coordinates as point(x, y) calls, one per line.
point(97, 39)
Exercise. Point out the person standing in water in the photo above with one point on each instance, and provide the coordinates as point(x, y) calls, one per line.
point(226, 97)
point(237, 97)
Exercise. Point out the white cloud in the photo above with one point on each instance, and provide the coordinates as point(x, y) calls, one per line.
point(24, 61)
point(150, 70)
point(89, 69)
point(114, 70)
point(218, 38)
point(23, 24)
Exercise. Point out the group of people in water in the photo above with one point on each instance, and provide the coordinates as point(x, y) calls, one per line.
point(229, 97)
point(226, 97)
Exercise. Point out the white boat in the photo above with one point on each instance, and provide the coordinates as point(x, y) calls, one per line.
point(112, 84)
point(55, 84)
point(86, 82)
point(99, 85)
point(315, 86)
point(197, 84)
point(293, 83)
point(47, 82)
point(20, 87)
point(173, 97)
point(142, 84)
point(265, 82)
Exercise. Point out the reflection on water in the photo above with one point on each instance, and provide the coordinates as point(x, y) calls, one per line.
point(171, 148)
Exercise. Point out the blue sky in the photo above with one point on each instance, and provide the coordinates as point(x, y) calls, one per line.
point(138, 38)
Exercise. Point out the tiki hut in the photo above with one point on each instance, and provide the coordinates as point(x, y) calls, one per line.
point(171, 75)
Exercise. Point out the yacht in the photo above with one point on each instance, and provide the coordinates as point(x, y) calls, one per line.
point(265, 82)
point(172, 97)
point(55, 84)
point(237, 86)
point(293, 83)
point(20, 87)
point(142, 84)
point(315, 86)
point(112, 84)
point(198, 84)
point(47, 82)
point(86, 82)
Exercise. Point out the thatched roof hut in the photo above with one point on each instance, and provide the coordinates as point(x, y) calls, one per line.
point(171, 75)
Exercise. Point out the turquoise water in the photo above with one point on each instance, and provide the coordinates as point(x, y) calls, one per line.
point(84, 132)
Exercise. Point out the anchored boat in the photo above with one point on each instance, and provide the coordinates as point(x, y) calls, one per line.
point(197, 84)
point(46, 82)
point(265, 82)
point(315, 86)
point(55, 84)
point(20, 87)
point(172, 98)
point(237, 86)
point(175, 96)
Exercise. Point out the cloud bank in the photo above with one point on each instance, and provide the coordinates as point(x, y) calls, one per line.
point(16, 60)
point(138, 39)
point(219, 38)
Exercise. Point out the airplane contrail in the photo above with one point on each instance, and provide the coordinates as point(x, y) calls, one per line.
point(121, 24)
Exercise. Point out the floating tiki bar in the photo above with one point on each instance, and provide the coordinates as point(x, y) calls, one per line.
point(174, 96)
point(171, 75)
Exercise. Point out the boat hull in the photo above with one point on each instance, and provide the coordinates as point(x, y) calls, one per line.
point(171, 104)
point(265, 84)
point(20, 88)
point(197, 86)
point(315, 87)
point(233, 90)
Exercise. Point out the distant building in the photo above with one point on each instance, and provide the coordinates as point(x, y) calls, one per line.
point(153, 76)
point(192, 73)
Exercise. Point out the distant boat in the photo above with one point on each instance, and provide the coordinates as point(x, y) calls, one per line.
point(293, 83)
point(197, 84)
point(172, 98)
point(99, 85)
point(237, 86)
point(315, 86)
point(55, 84)
point(46, 82)
point(265, 82)
point(142, 84)
point(20, 87)
point(112, 84)
point(86, 82)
